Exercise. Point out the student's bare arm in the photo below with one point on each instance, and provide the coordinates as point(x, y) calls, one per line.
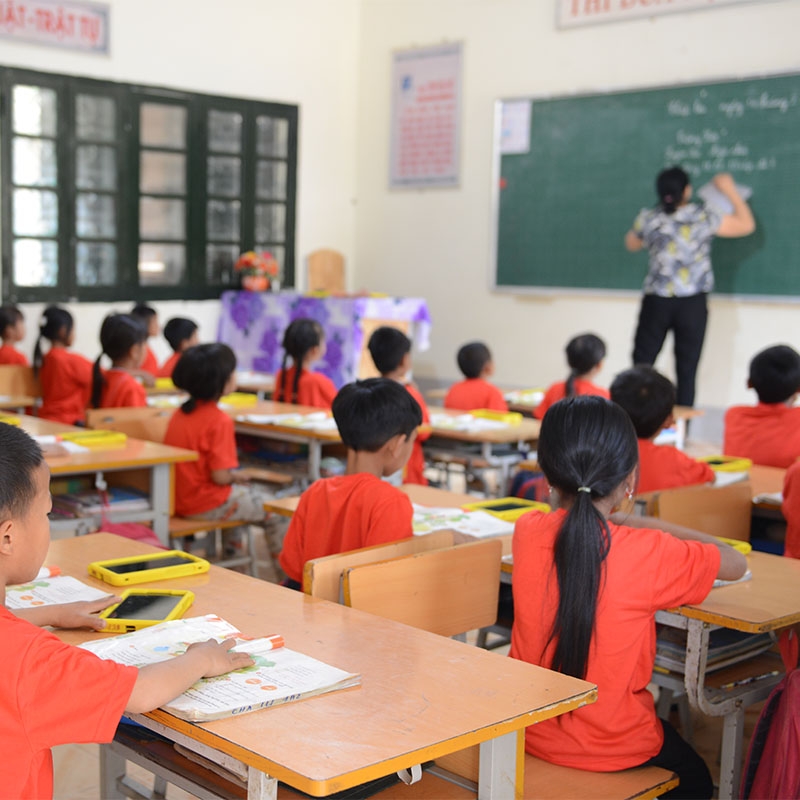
point(68, 615)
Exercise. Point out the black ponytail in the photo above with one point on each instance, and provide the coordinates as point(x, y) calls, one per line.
point(98, 382)
point(55, 325)
point(119, 334)
point(670, 187)
point(584, 353)
point(301, 336)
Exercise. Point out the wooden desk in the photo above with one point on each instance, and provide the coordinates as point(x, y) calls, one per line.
point(422, 696)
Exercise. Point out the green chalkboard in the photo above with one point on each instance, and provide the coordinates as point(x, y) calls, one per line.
point(564, 205)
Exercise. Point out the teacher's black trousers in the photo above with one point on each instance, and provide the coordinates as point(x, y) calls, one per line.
point(686, 317)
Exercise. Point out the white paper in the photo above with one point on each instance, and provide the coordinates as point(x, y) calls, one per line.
point(525, 397)
point(479, 524)
point(515, 127)
point(725, 478)
point(715, 199)
point(466, 423)
point(318, 420)
point(50, 591)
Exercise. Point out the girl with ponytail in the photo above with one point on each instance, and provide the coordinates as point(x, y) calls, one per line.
point(304, 344)
point(65, 377)
point(123, 338)
point(587, 584)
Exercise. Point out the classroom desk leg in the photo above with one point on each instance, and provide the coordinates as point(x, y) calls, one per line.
point(497, 778)
point(160, 498)
point(260, 786)
point(730, 770)
point(112, 771)
point(314, 459)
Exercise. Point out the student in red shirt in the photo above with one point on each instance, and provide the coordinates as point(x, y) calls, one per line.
point(123, 339)
point(65, 377)
point(475, 391)
point(585, 354)
point(52, 693)
point(148, 316)
point(649, 398)
point(377, 420)
point(390, 349)
point(587, 586)
point(181, 333)
point(12, 331)
point(304, 344)
point(791, 510)
point(768, 433)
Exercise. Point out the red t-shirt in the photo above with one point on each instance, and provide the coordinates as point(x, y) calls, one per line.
point(10, 355)
point(768, 433)
point(168, 366)
point(558, 391)
point(344, 513)
point(149, 364)
point(645, 571)
point(416, 463)
point(66, 381)
point(474, 393)
point(50, 694)
point(662, 466)
point(791, 510)
point(122, 390)
point(209, 432)
point(314, 389)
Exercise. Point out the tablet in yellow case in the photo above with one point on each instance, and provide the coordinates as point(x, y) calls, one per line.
point(508, 508)
point(146, 568)
point(141, 608)
point(727, 463)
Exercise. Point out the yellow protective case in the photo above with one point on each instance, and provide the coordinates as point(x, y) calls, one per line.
point(509, 417)
point(96, 439)
point(737, 544)
point(9, 419)
point(727, 463)
point(239, 399)
point(120, 625)
point(192, 566)
point(500, 507)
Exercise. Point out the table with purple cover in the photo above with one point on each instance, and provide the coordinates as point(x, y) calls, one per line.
point(252, 323)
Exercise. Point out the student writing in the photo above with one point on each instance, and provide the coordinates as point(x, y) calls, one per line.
point(587, 586)
point(304, 344)
point(12, 331)
point(123, 339)
point(181, 333)
point(475, 391)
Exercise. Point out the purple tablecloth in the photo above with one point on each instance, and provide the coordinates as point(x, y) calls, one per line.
point(252, 323)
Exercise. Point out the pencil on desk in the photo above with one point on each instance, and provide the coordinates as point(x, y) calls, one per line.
point(752, 679)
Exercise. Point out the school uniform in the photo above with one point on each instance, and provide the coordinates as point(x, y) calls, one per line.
point(121, 390)
point(767, 434)
point(150, 364)
point(416, 463)
point(666, 467)
point(645, 570)
point(10, 355)
point(66, 381)
point(344, 513)
point(473, 393)
point(313, 389)
point(791, 510)
point(166, 369)
point(558, 391)
point(51, 693)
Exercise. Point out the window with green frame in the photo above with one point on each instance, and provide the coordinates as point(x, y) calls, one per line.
point(110, 191)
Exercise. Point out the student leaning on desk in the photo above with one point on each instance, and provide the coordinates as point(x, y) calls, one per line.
point(52, 693)
point(587, 586)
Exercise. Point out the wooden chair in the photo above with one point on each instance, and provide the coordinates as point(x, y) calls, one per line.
point(325, 271)
point(18, 383)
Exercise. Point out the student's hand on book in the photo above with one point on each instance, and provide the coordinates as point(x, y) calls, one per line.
point(82, 614)
point(220, 659)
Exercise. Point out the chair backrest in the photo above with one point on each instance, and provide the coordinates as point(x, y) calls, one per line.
point(447, 591)
point(724, 511)
point(322, 577)
point(140, 423)
point(18, 381)
point(325, 271)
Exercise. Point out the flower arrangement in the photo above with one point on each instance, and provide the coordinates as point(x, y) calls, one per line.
point(257, 270)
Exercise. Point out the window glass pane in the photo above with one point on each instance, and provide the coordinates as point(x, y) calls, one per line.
point(35, 262)
point(223, 219)
point(162, 125)
point(162, 219)
point(271, 180)
point(95, 216)
point(272, 136)
point(35, 212)
point(95, 167)
point(34, 162)
point(220, 259)
point(270, 222)
point(95, 118)
point(34, 111)
point(162, 173)
point(225, 131)
point(96, 263)
point(161, 264)
point(224, 176)
point(277, 251)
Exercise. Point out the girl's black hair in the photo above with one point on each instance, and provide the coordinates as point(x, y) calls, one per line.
point(118, 334)
point(301, 336)
point(143, 312)
point(9, 316)
point(584, 353)
point(203, 371)
point(55, 325)
point(587, 448)
point(670, 185)
point(178, 330)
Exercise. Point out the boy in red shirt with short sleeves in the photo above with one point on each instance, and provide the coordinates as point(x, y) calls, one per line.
point(377, 420)
point(768, 433)
point(390, 349)
point(649, 397)
point(475, 361)
point(181, 333)
point(12, 331)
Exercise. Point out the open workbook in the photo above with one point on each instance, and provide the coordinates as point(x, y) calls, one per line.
point(278, 675)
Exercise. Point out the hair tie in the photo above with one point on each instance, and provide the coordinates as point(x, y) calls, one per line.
point(585, 489)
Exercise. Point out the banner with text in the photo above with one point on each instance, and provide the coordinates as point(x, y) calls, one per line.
point(76, 26)
point(592, 12)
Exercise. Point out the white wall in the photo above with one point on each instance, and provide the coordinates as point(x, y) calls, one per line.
point(302, 52)
point(435, 243)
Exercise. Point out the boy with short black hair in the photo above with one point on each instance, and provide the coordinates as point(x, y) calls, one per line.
point(649, 397)
point(149, 318)
point(12, 331)
point(377, 420)
point(52, 693)
point(475, 362)
point(390, 349)
point(181, 333)
point(768, 433)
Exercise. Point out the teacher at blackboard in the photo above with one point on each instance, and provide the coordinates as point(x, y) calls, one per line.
point(677, 234)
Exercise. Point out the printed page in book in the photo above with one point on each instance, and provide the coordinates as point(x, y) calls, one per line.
point(474, 523)
point(49, 591)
